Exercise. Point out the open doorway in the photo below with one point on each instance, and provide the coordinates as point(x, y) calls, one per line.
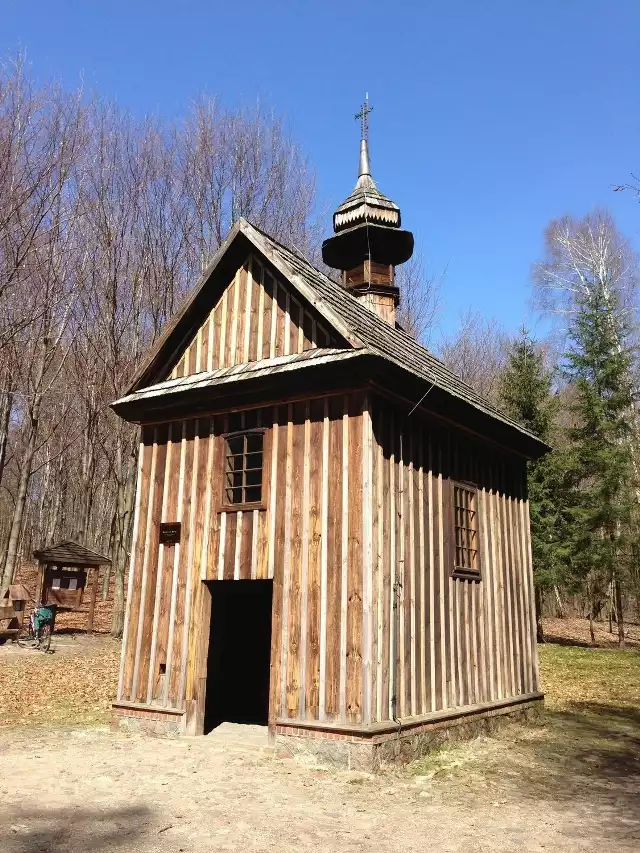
point(239, 656)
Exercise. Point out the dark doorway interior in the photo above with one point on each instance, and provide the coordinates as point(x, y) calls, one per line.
point(239, 653)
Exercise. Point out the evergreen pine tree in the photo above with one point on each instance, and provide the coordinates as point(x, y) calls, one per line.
point(601, 469)
point(525, 393)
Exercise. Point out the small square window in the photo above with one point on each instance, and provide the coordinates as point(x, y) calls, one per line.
point(243, 468)
point(466, 530)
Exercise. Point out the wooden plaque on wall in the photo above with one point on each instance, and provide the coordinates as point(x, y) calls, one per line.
point(170, 532)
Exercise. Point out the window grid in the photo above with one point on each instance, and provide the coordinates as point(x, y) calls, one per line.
point(243, 468)
point(466, 528)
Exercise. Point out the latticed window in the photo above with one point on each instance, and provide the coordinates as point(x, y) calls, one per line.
point(466, 528)
point(243, 468)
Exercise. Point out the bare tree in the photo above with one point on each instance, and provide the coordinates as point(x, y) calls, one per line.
point(105, 224)
point(420, 299)
point(241, 163)
point(478, 353)
point(44, 354)
point(580, 254)
point(39, 138)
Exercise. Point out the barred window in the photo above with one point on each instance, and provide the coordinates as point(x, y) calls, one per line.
point(466, 529)
point(243, 468)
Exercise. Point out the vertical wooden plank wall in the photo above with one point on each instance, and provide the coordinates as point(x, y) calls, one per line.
point(256, 317)
point(310, 536)
point(441, 642)
point(356, 532)
point(315, 534)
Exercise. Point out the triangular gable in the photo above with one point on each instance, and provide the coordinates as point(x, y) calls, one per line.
point(349, 323)
point(192, 340)
point(258, 316)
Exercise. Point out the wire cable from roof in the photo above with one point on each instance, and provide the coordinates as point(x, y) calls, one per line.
point(426, 393)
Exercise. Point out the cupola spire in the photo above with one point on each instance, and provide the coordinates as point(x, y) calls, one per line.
point(368, 242)
point(365, 167)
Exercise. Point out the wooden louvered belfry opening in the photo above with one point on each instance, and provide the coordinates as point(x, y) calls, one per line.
point(466, 528)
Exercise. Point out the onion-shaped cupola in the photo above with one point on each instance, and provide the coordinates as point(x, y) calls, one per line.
point(368, 242)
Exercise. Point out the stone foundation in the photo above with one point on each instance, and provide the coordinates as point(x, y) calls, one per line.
point(150, 721)
point(366, 748)
point(370, 750)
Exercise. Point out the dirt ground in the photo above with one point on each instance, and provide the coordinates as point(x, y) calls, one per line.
point(93, 790)
point(69, 785)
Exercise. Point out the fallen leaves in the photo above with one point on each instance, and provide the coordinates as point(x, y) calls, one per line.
point(66, 688)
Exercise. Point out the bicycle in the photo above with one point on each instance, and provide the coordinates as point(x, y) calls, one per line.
point(36, 634)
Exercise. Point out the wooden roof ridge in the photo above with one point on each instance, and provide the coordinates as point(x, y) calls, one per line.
point(70, 553)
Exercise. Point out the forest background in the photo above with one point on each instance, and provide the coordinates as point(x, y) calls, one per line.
point(106, 221)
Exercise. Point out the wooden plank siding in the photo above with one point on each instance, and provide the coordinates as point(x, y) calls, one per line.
point(442, 641)
point(314, 473)
point(256, 317)
point(356, 530)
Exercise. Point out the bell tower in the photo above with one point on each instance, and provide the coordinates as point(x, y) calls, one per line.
point(368, 242)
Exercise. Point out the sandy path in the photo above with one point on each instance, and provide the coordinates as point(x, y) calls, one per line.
point(93, 790)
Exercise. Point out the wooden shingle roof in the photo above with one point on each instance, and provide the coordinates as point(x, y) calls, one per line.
point(360, 328)
point(70, 553)
point(367, 330)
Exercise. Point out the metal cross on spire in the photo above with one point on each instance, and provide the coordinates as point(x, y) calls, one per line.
point(363, 115)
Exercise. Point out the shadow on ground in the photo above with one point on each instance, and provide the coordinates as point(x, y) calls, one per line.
point(587, 755)
point(89, 830)
point(557, 640)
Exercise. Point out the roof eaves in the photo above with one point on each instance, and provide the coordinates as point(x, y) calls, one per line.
point(241, 372)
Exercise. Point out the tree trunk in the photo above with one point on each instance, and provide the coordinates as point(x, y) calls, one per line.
point(88, 468)
point(5, 416)
point(11, 560)
point(106, 577)
point(559, 604)
point(591, 606)
point(539, 626)
point(110, 550)
point(610, 608)
point(620, 617)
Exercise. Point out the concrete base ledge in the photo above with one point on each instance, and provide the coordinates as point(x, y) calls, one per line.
point(370, 748)
point(449, 715)
point(354, 746)
point(149, 719)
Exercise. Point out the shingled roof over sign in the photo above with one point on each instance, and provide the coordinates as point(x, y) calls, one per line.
point(360, 327)
point(70, 553)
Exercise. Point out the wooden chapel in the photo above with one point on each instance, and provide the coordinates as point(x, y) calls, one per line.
point(331, 529)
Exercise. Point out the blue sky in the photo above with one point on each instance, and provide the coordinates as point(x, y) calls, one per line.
point(489, 118)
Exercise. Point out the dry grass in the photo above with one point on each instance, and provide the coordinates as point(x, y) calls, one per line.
point(585, 748)
point(573, 677)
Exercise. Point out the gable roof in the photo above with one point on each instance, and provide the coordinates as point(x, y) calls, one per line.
point(70, 553)
point(360, 327)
